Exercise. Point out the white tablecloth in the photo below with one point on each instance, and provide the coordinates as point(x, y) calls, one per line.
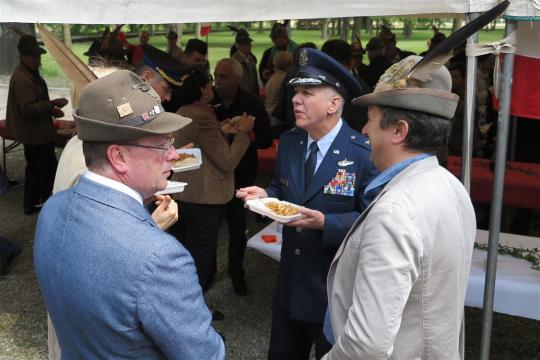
point(517, 287)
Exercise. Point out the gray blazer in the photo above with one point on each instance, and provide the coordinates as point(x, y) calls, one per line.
point(396, 287)
point(115, 285)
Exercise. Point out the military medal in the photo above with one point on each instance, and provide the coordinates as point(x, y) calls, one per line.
point(345, 162)
point(341, 184)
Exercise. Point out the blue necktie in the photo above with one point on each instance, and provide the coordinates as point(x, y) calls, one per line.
point(311, 163)
point(327, 328)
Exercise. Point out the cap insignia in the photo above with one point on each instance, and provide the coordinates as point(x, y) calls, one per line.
point(124, 109)
point(303, 58)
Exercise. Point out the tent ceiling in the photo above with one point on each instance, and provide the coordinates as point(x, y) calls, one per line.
point(189, 11)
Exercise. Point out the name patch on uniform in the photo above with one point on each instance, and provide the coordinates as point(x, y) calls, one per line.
point(341, 184)
point(284, 182)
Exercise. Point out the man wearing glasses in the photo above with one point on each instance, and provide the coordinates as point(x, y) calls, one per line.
point(114, 283)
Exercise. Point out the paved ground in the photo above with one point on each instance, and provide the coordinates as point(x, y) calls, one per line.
point(247, 319)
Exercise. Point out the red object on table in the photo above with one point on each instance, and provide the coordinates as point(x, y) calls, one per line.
point(521, 182)
point(269, 238)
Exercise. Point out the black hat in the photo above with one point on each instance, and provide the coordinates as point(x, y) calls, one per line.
point(315, 68)
point(164, 64)
point(374, 44)
point(278, 30)
point(28, 45)
point(172, 34)
point(196, 45)
point(242, 37)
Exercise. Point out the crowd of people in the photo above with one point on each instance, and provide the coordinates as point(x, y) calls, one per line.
point(376, 266)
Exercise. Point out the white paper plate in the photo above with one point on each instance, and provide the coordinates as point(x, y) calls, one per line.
point(172, 188)
point(259, 206)
point(190, 166)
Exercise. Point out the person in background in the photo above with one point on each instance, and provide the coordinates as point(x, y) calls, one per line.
point(378, 63)
point(231, 101)
point(129, 152)
point(195, 53)
point(29, 119)
point(136, 52)
point(172, 47)
point(342, 52)
point(274, 90)
point(212, 185)
point(281, 41)
point(323, 166)
point(250, 78)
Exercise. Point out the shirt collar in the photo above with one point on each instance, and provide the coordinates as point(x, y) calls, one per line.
point(326, 141)
point(384, 177)
point(105, 181)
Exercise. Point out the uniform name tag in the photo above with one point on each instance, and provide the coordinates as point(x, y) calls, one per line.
point(341, 184)
point(284, 182)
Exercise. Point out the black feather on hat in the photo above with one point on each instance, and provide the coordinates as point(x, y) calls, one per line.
point(424, 84)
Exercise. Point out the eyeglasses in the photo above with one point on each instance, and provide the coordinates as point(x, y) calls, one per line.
point(167, 146)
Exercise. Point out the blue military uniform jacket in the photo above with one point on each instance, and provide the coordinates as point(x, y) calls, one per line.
point(336, 190)
point(117, 286)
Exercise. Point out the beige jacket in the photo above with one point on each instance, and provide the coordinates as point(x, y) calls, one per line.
point(397, 284)
point(213, 182)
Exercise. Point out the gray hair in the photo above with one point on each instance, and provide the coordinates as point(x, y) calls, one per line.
point(95, 154)
point(427, 133)
point(235, 65)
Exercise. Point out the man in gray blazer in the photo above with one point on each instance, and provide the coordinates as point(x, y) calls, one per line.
point(115, 284)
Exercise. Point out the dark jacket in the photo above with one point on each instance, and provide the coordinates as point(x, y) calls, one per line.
point(28, 112)
point(306, 255)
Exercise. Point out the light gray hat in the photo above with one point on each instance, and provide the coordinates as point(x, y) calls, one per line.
point(123, 106)
point(395, 88)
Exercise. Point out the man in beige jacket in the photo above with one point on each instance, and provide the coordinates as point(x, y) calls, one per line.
point(396, 287)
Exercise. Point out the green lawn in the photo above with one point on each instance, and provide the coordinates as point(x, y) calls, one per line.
point(220, 42)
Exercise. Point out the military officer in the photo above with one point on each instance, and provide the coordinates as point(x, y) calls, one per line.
point(322, 165)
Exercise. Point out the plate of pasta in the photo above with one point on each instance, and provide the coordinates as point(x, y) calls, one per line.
point(275, 209)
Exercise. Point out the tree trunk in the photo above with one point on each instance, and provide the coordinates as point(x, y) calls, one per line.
point(333, 22)
point(180, 31)
point(9, 56)
point(345, 28)
point(456, 24)
point(197, 30)
point(407, 28)
point(261, 27)
point(67, 35)
point(357, 30)
point(324, 30)
point(338, 27)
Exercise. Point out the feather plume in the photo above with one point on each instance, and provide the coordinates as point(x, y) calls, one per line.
point(441, 53)
point(18, 31)
point(233, 28)
point(73, 67)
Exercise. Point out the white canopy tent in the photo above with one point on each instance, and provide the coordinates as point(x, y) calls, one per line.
point(199, 11)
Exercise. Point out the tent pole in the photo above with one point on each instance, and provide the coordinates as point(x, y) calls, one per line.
point(496, 201)
point(470, 102)
point(467, 144)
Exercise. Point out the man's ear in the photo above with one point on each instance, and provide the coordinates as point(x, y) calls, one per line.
point(147, 75)
point(335, 103)
point(400, 131)
point(117, 158)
